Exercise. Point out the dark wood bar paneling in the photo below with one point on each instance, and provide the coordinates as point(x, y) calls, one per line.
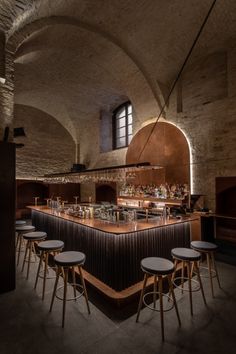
point(114, 258)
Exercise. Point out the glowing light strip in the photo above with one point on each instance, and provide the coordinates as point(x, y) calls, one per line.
point(190, 154)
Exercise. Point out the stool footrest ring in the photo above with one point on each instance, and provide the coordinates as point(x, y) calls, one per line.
point(70, 298)
point(157, 309)
point(186, 280)
point(41, 273)
point(213, 272)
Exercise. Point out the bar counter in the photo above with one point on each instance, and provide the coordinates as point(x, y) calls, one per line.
point(114, 251)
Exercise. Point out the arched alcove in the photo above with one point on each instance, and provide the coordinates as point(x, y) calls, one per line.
point(166, 147)
point(106, 193)
point(48, 147)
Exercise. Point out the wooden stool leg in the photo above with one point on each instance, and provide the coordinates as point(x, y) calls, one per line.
point(25, 256)
point(84, 288)
point(190, 287)
point(175, 268)
point(141, 295)
point(34, 250)
point(182, 276)
point(45, 273)
point(215, 267)
point(64, 296)
point(173, 275)
point(39, 266)
point(173, 297)
point(192, 269)
point(19, 249)
point(74, 281)
point(161, 306)
point(62, 272)
point(17, 240)
point(55, 287)
point(210, 272)
point(200, 281)
point(155, 291)
point(29, 259)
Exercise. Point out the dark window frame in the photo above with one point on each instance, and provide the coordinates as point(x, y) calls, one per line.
point(124, 105)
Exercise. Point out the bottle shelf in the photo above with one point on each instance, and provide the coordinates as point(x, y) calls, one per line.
point(140, 202)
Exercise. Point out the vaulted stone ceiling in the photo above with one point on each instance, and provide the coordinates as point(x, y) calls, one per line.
point(75, 58)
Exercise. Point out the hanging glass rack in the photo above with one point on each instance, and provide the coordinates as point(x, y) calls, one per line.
point(120, 173)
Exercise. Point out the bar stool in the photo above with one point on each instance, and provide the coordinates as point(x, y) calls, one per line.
point(190, 258)
point(21, 229)
point(20, 222)
point(208, 249)
point(31, 238)
point(45, 248)
point(65, 261)
point(159, 267)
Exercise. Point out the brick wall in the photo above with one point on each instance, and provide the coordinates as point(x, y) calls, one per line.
point(48, 146)
point(209, 120)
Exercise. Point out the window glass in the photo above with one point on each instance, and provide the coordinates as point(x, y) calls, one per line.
point(121, 113)
point(121, 122)
point(130, 119)
point(121, 142)
point(120, 132)
point(122, 125)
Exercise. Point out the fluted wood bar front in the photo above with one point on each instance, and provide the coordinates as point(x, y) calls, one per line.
point(113, 252)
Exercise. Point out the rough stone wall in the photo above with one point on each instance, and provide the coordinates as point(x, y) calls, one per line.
point(209, 120)
point(87, 191)
point(206, 113)
point(7, 94)
point(48, 146)
point(90, 140)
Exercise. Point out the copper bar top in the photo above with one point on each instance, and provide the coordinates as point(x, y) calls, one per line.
point(115, 228)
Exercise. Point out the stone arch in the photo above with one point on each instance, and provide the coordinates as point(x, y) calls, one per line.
point(41, 154)
point(17, 38)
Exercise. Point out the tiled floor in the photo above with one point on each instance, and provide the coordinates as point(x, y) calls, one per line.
point(27, 327)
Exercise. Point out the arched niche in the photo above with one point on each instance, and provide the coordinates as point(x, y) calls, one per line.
point(166, 147)
point(106, 193)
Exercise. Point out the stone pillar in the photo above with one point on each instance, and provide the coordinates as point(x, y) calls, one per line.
point(6, 89)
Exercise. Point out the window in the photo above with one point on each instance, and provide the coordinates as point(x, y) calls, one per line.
point(122, 126)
